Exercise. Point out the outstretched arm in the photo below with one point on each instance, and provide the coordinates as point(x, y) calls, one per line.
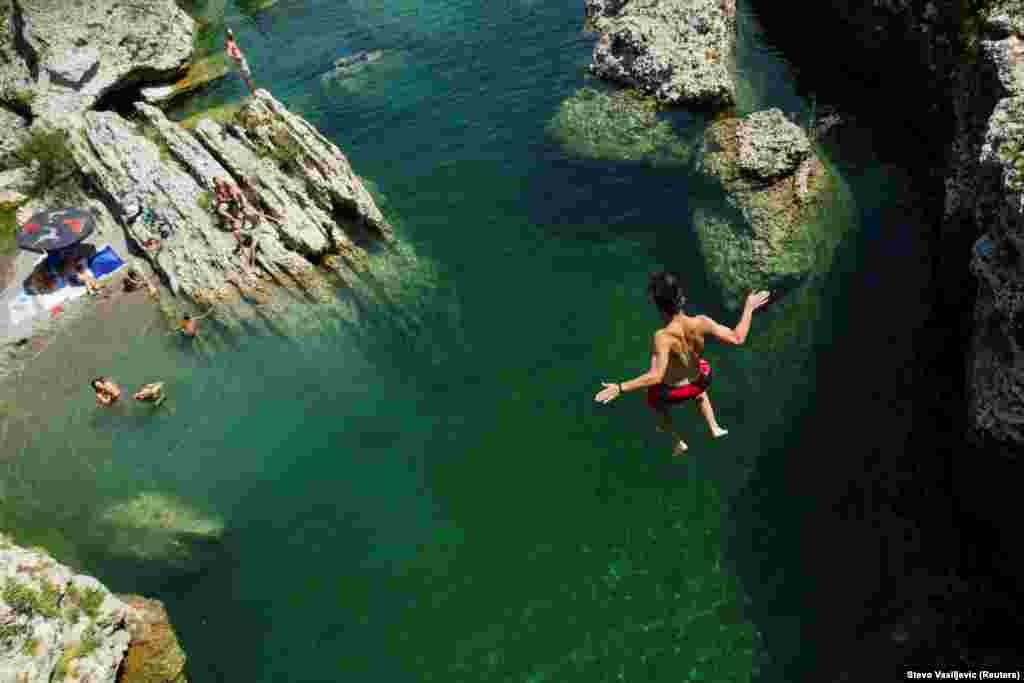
point(736, 335)
point(659, 364)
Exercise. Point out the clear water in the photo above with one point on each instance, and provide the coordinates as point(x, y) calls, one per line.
point(442, 499)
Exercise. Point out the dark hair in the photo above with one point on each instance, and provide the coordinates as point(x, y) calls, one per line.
point(188, 317)
point(666, 291)
point(96, 381)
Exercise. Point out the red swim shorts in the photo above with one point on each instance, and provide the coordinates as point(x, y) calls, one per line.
point(661, 395)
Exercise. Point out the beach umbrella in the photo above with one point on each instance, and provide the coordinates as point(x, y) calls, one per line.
point(55, 229)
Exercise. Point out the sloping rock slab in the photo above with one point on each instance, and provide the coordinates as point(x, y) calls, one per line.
point(680, 51)
point(290, 172)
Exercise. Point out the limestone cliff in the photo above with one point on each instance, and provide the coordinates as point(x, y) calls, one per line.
point(58, 625)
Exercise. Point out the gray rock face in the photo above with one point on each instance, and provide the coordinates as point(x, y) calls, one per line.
point(680, 51)
point(60, 57)
point(775, 187)
point(996, 364)
point(56, 624)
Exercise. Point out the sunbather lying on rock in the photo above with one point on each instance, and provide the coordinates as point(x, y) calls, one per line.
point(107, 392)
point(231, 204)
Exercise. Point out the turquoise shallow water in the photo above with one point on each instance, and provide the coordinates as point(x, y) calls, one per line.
point(436, 496)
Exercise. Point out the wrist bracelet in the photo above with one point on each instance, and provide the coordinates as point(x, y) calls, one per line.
point(621, 391)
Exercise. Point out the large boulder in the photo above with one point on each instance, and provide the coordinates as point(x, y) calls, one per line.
point(59, 57)
point(680, 51)
point(55, 624)
point(617, 126)
point(767, 235)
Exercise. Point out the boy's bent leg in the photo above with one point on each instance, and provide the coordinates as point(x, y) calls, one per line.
point(704, 406)
point(663, 421)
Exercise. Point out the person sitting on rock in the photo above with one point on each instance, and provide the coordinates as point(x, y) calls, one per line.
point(235, 53)
point(107, 392)
point(151, 393)
point(678, 373)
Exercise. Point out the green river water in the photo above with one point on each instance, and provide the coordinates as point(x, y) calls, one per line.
point(435, 496)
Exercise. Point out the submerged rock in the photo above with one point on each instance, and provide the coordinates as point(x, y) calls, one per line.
point(62, 57)
point(157, 527)
point(766, 238)
point(616, 126)
point(56, 625)
point(680, 51)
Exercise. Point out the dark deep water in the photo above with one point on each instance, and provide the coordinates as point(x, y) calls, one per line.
point(444, 501)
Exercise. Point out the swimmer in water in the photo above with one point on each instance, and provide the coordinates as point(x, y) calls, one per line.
point(188, 326)
point(107, 392)
point(678, 373)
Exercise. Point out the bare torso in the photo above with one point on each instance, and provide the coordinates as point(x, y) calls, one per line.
point(686, 340)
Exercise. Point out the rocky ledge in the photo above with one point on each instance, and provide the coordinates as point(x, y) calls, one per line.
point(59, 57)
point(775, 187)
point(679, 51)
point(57, 625)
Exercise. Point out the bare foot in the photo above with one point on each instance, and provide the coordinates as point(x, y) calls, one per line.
point(718, 432)
point(680, 448)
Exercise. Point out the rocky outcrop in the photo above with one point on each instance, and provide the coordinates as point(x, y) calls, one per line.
point(317, 218)
point(775, 188)
point(617, 126)
point(57, 625)
point(679, 51)
point(62, 57)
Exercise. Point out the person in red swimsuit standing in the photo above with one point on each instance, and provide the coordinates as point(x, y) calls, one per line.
point(235, 53)
point(678, 373)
